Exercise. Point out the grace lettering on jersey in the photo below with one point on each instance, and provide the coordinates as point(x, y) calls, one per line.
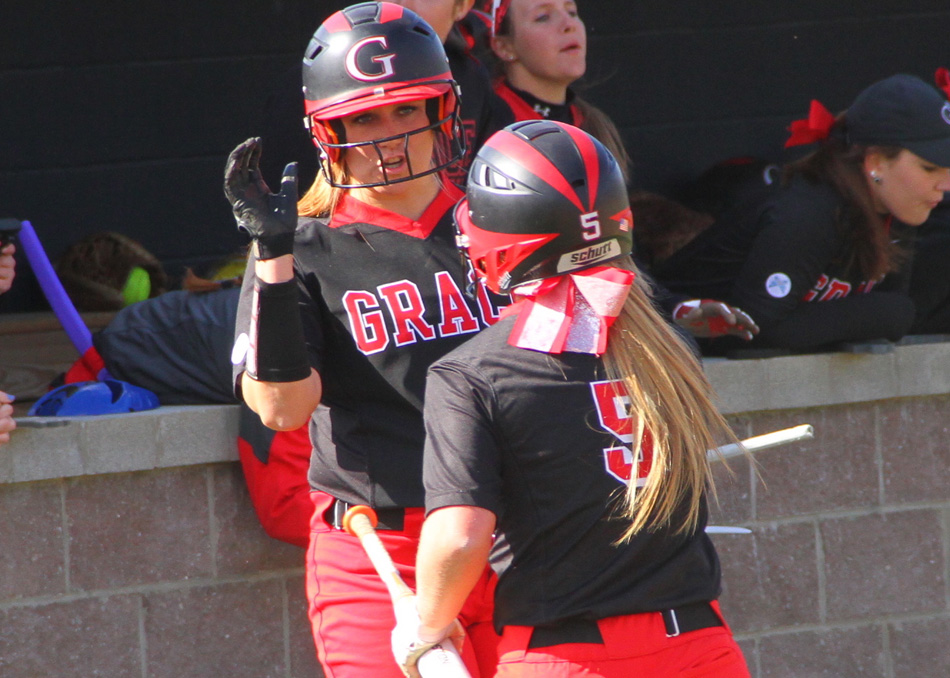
point(402, 303)
point(613, 411)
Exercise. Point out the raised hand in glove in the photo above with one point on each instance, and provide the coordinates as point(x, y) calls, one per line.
point(270, 219)
point(707, 318)
point(411, 641)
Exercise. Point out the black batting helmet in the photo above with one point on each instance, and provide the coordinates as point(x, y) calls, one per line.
point(543, 199)
point(375, 54)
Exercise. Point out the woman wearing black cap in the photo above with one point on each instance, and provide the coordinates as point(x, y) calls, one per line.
point(837, 231)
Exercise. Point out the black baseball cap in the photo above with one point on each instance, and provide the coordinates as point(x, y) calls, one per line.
point(903, 111)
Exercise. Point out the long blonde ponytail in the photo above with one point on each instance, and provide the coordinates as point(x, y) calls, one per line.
point(671, 398)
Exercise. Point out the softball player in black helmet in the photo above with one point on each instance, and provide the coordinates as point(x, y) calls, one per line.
point(373, 53)
point(346, 305)
point(575, 430)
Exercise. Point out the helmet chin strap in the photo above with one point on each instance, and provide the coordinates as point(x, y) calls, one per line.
point(330, 150)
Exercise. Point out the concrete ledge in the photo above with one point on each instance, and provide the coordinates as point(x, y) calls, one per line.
point(821, 379)
point(45, 448)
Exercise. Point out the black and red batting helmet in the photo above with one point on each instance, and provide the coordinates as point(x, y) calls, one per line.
point(376, 54)
point(543, 199)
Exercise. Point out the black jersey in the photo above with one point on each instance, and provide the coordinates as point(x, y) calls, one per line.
point(525, 106)
point(481, 111)
point(382, 297)
point(781, 255)
point(540, 441)
point(930, 284)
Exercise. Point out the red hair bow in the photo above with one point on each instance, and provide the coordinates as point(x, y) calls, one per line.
point(499, 8)
point(942, 78)
point(570, 312)
point(813, 128)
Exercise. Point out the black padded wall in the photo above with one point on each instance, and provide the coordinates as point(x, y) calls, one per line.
point(119, 115)
point(693, 82)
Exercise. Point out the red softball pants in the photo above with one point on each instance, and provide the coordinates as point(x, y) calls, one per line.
point(351, 614)
point(635, 646)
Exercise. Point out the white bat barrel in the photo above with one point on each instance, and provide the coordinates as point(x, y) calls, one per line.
point(764, 442)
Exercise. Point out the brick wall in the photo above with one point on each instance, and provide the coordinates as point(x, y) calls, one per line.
point(129, 547)
point(158, 574)
point(846, 573)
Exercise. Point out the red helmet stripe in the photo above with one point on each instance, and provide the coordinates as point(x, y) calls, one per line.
point(588, 152)
point(534, 161)
point(373, 96)
point(337, 23)
point(389, 12)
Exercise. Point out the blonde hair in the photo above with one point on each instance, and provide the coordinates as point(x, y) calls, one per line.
point(321, 199)
point(671, 398)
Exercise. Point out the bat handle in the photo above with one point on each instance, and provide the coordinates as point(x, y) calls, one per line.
point(443, 660)
point(763, 442)
point(359, 521)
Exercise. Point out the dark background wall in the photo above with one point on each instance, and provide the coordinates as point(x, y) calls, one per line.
point(119, 115)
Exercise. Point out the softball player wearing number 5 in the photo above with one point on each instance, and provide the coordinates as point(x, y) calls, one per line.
point(576, 431)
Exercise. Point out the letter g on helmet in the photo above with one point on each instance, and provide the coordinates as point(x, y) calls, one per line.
point(376, 54)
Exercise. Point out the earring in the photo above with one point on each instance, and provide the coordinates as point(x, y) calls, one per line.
point(875, 177)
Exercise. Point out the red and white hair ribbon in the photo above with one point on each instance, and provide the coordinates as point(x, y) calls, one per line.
point(570, 312)
point(814, 128)
point(499, 8)
point(942, 78)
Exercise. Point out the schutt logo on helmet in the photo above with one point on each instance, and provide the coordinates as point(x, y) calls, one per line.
point(543, 199)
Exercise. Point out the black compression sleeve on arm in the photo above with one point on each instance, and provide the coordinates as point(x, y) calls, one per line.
point(277, 350)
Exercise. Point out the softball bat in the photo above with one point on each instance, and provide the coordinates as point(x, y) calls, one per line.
point(764, 441)
point(443, 660)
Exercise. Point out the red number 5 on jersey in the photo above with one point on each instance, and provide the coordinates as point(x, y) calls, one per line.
point(612, 403)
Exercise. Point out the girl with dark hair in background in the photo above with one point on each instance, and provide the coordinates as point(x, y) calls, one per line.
point(826, 258)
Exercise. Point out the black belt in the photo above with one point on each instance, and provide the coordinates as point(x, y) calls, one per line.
point(680, 620)
point(388, 518)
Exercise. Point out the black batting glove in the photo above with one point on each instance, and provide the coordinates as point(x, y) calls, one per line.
point(270, 219)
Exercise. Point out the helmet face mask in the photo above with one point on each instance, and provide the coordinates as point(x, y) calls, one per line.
point(543, 199)
point(377, 54)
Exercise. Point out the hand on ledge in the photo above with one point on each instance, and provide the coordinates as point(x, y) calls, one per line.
point(708, 318)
